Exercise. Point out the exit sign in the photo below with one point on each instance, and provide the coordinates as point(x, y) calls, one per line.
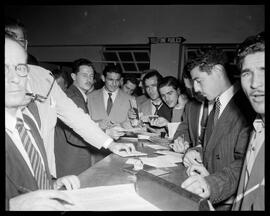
point(154, 40)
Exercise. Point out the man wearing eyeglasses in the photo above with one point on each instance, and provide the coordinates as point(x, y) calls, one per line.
point(52, 103)
point(26, 161)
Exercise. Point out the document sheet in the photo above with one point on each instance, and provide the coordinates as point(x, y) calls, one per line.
point(122, 197)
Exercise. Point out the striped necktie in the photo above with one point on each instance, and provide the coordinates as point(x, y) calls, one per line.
point(217, 110)
point(35, 159)
point(157, 106)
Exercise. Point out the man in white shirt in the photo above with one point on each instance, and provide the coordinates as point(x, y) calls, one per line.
point(109, 105)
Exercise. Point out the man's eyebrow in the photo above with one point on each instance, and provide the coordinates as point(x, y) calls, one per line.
point(245, 70)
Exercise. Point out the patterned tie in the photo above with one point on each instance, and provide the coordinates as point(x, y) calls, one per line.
point(109, 103)
point(217, 110)
point(156, 108)
point(203, 122)
point(39, 171)
point(32, 107)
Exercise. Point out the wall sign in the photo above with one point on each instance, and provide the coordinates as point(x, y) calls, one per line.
point(155, 40)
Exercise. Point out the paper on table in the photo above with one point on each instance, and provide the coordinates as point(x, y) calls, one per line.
point(134, 153)
point(160, 161)
point(172, 126)
point(179, 156)
point(122, 197)
point(155, 146)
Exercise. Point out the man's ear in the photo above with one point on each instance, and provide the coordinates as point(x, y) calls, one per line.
point(219, 69)
point(73, 76)
point(103, 78)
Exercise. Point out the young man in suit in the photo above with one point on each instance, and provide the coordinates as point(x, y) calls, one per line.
point(109, 105)
point(251, 61)
point(72, 153)
point(26, 161)
point(221, 155)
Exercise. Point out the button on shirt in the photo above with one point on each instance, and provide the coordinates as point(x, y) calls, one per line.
point(256, 141)
point(10, 123)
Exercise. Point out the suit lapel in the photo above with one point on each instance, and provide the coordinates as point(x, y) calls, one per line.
point(18, 159)
point(257, 171)
point(38, 141)
point(225, 121)
point(77, 92)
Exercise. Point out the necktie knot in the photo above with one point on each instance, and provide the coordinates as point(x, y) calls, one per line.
point(19, 123)
point(156, 108)
point(110, 95)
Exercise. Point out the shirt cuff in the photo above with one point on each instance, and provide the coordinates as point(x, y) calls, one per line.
point(107, 143)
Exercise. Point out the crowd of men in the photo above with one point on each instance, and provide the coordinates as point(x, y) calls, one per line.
point(56, 128)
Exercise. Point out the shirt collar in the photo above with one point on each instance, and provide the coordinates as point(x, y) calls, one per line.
point(83, 94)
point(258, 124)
point(10, 121)
point(113, 93)
point(226, 96)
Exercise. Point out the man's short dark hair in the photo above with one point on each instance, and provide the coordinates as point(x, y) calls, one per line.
point(152, 73)
point(132, 79)
point(250, 45)
point(112, 69)
point(79, 62)
point(206, 59)
point(11, 23)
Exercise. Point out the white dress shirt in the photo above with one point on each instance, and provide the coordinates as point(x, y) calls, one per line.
point(106, 96)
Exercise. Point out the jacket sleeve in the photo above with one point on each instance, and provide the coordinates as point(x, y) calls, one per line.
point(75, 118)
point(183, 129)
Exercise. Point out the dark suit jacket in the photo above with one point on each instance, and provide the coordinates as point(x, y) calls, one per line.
point(18, 174)
point(189, 126)
point(72, 153)
point(224, 153)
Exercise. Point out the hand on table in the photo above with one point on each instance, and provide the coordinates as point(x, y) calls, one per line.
point(197, 184)
point(70, 182)
point(158, 122)
point(115, 132)
point(195, 169)
point(180, 145)
point(192, 157)
point(40, 200)
point(117, 147)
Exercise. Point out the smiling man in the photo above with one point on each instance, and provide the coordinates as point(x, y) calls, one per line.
point(109, 105)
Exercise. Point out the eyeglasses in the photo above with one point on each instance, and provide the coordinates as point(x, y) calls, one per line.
point(39, 97)
point(21, 70)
